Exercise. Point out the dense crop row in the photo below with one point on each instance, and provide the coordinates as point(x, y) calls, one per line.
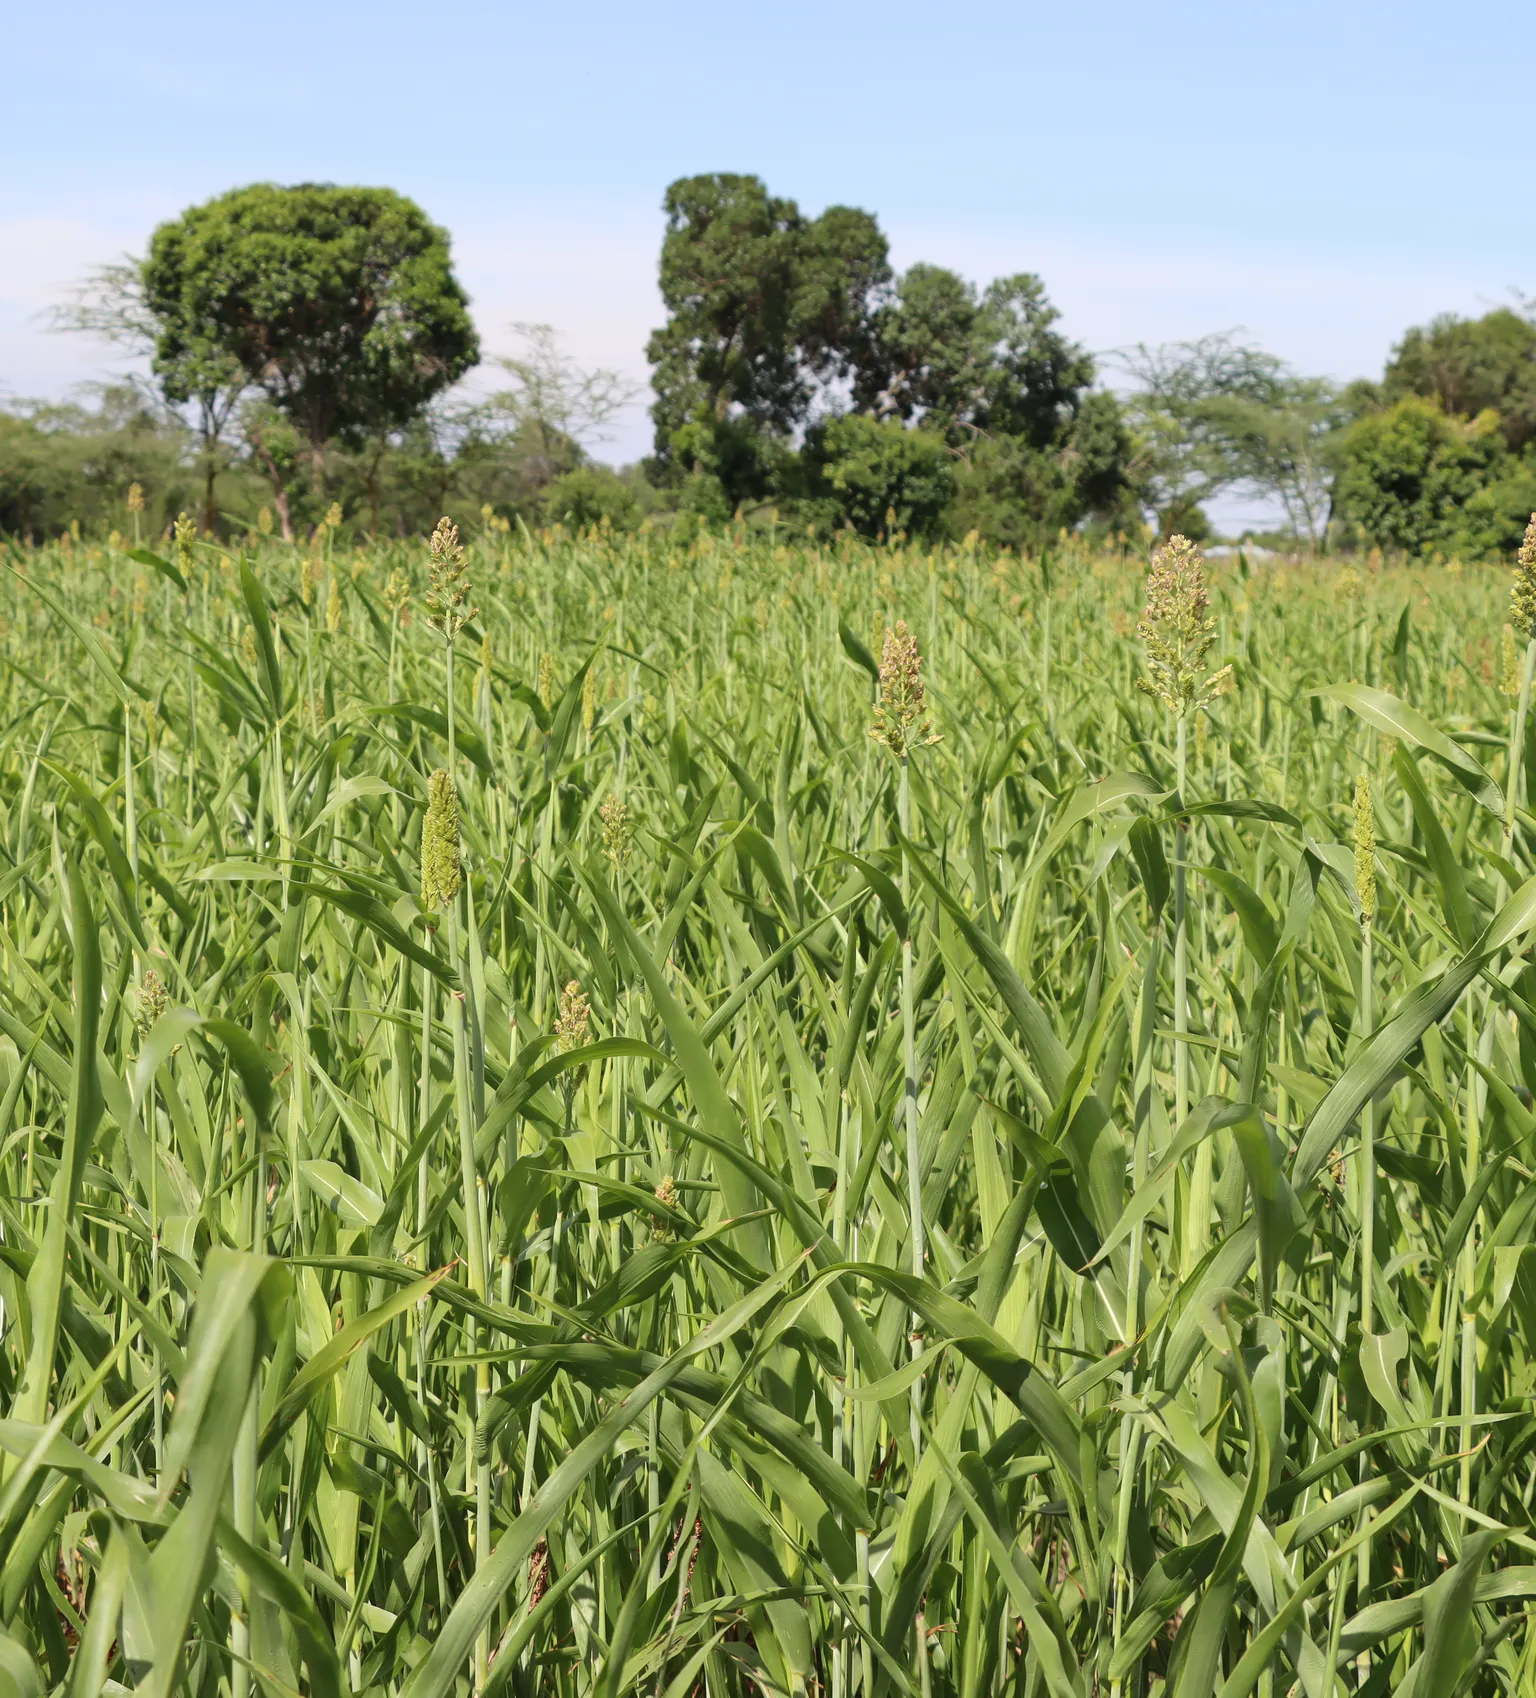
point(1034, 1201)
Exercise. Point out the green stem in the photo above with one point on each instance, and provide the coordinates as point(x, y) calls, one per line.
point(909, 1098)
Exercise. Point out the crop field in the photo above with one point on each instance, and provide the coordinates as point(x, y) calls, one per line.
point(599, 1115)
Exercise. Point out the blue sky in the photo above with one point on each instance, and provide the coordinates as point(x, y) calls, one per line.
point(1321, 174)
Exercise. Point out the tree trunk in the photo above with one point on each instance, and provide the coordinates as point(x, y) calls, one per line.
point(279, 489)
point(210, 473)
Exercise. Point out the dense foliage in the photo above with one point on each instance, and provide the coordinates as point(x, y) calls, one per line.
point(305, 345)
point(537, 1155)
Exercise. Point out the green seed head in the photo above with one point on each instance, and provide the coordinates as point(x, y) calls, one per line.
point(264, 521)
point(397, 590)
point(547, 680)
point(618, 831)
point(902, 722)
point(589, 698)
point(152, 1002)
point(573, 1021)
point(186, 535)
point(1510, 683)
point(1522, 594)
point(1177, 631)
point(448, 583)
point(441, 875)
point(333, 608)
point(1365, 850)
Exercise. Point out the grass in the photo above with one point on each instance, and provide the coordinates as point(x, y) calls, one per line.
point(530, 1290)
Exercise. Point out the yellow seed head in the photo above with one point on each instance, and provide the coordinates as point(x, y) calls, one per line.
point(1522, 594)
point(1177, 632)
point(264, 521)
point(152, 1002)
point(333, 516)
point(547, 680)
point(397, 591)
point(333, 608)
point(441, 874)
point(902, 722)
point(1365, 850)
point(448, 583)
point(186, 535)
point(666, 1193)
point(573, 1021)
point(135, 498)
point(307, 580)
point(618, 831)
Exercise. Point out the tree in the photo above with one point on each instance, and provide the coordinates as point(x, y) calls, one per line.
point(1217, 414)
point(1468, 366)
point(551, 410)
point(193, 369)
point(968, 364)
point(764, 307)
point(1415, 479)
point(877, 476)
point(338, 304)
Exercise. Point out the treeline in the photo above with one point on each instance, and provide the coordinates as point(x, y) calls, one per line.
point(306, 345)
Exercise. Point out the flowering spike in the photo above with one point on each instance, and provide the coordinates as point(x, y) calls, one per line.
point(1177, 632)
point(573, 1022)
point(1522, 594)
point(1365, 850)
point(902, 721)
point(441, 875)
point(448, 583)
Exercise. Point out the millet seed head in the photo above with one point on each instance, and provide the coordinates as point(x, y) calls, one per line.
point(135, 498)
point(153, 999)
point(1522, 593)
point(186, 535)
point(547, 680)
point(1365, 850)
point(618, 831)
point(902, 721)
point(1509, 683)
point(589, 698)
point(448, 583)
point(573, 1021)
point(441, 874)
point(1177, 631)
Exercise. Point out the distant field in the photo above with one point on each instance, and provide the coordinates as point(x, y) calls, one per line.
point(509, 1281)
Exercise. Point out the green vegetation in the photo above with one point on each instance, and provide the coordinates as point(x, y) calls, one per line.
point(305, 344)
point(565, 1128)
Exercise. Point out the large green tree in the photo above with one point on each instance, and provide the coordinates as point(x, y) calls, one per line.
point(765, 307)
point(339, 304)
point(1416, 479)
point(1469, 365)
point(969, 363)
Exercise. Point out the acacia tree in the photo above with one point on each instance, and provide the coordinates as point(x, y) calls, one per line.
point(338, 304)
point(1217, 414)
point(551, 406)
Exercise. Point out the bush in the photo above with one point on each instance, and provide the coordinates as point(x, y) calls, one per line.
point(1411, 476)
point(875, 474)
point(586, 496)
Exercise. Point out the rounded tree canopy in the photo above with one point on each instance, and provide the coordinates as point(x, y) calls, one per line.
point(340, 303)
